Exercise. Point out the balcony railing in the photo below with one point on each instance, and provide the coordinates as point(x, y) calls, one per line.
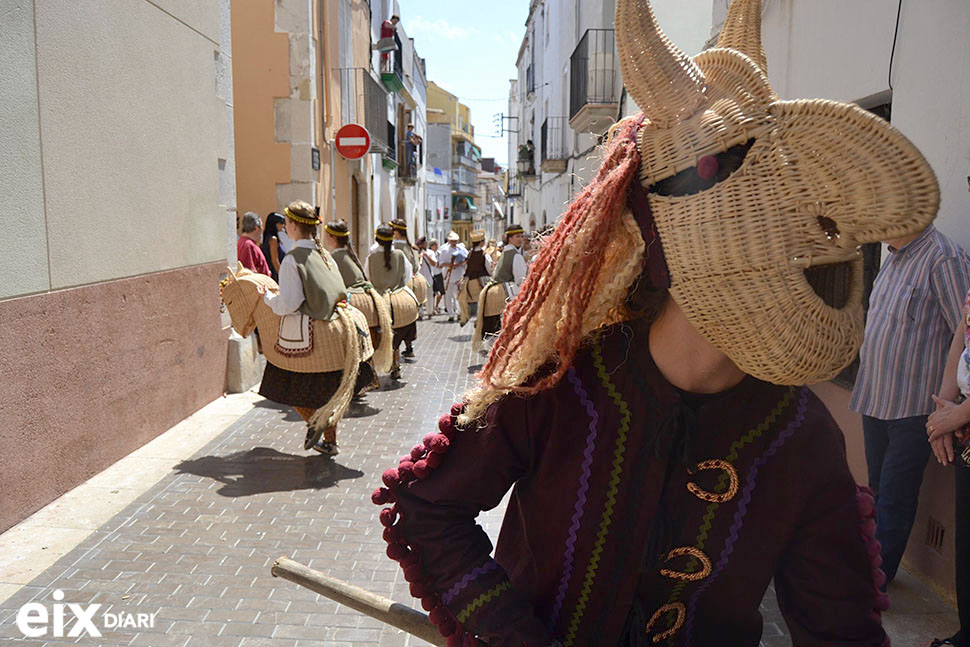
point(468, 161)
point(554, 148)
point(593, 81)
point(363, 101)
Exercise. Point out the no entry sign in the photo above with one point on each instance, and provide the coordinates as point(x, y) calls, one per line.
point(353, 141)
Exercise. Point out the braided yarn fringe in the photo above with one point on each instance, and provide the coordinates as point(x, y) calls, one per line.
point(384, 353)
point(330, 414)
point(569, 289)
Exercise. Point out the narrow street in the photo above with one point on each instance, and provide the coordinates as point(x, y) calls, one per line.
point(197, 547)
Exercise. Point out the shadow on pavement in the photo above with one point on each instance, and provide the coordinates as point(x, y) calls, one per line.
point(263, 469)
point(460, 338)
point(360, 410)
point(291, 414)
point(475, 368)
point(387, 384)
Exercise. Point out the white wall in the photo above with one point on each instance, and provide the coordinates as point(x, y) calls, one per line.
point(111, 155)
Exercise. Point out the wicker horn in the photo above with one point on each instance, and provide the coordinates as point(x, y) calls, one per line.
point(232, 275)
point(664, 81)
point(742, 31)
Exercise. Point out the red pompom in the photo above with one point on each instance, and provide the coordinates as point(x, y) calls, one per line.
point(413, 573)
point(429, 602)
point(426, 441)
point(865, 504)
point(446, 423)
point(390, 477)
point(397, 552)
point(438, 615)
point(439, 444)
point(405, 471)
point(434, 460)
point(454, 640)
point(388, 516)
point(418, 590)
point(421, 469)
point(882, 602)
point(417, 452)
point(707, 167)
point(449, 628)
point(877, 560)
point(867, 528)
point(408, 560)
point(379, 497)
point(404, 459)
point(878, 578)
point(457, 409)
point(392, 534)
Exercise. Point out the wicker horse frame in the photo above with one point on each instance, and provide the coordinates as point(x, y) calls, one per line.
point(820, 178)
point(330, 338)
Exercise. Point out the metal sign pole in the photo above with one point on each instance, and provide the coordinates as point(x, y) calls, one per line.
point(333, 182)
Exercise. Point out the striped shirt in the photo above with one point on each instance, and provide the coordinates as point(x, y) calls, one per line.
point(915, 306)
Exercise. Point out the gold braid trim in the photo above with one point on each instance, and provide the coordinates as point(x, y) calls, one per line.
point(683, 575)
point(334, 232)
point(305, 221)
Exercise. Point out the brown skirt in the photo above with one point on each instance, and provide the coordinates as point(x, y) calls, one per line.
point(405, 334)
point(310, 389)
point(491, 325)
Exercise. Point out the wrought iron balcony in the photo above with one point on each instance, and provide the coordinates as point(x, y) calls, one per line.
point(363, 101)
point(555, 152)
point(593, 82)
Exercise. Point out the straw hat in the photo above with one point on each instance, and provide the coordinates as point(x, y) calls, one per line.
point(477, 236)
point(452, 236)
point(818, 179)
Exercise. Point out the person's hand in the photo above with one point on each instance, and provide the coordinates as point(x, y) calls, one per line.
point(944, 420)
point(943, 448)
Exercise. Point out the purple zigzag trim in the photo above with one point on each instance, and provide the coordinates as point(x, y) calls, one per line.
point(584, 477)
point(746, 495)
point(453, 592)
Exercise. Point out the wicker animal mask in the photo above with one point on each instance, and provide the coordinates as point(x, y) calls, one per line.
point(819, 179)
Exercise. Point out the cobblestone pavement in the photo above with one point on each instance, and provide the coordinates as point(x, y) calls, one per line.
point(196, 549)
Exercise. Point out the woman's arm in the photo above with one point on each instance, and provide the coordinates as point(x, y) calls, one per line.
point(274, 252)
point(291, 296)
point(948, 416)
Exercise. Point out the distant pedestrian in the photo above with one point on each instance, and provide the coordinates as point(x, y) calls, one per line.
point(426, 270)
point(451, 260)
point(247, 246)
point(272, 249)
point(478, 273)
point(437, 275)
point(913, 311)
point(507, 278)
point(415, 281)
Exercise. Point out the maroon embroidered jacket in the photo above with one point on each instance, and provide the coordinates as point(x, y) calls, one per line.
point(639, 515)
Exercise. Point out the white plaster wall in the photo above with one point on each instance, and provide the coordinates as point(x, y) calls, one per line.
point(132, 131)
point(686, 22)
point(23, 247)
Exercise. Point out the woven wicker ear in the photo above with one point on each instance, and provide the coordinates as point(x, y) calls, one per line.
point(739, 94)
point(854, 169)
point(742, 31)
point(663, 81)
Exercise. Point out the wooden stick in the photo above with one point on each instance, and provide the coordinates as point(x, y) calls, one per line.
point(376, 606)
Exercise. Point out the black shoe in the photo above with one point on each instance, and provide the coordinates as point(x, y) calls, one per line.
point(312, 437)
point(451, 320)
point(396, 373)
point(326, 447)
point(408, 352)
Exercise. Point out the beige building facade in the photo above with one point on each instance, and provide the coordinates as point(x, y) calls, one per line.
point(119, 207)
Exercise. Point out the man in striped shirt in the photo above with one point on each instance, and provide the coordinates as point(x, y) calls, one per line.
point(914, 308)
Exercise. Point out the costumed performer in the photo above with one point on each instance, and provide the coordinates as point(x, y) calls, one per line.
point(509, 274)
point(362, 295)
point(416, 281)
point(478, 271)
point(647, 409)
point(389, 271)
point(310, 284)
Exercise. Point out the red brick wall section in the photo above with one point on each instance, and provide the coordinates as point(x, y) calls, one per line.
point(89, 374)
